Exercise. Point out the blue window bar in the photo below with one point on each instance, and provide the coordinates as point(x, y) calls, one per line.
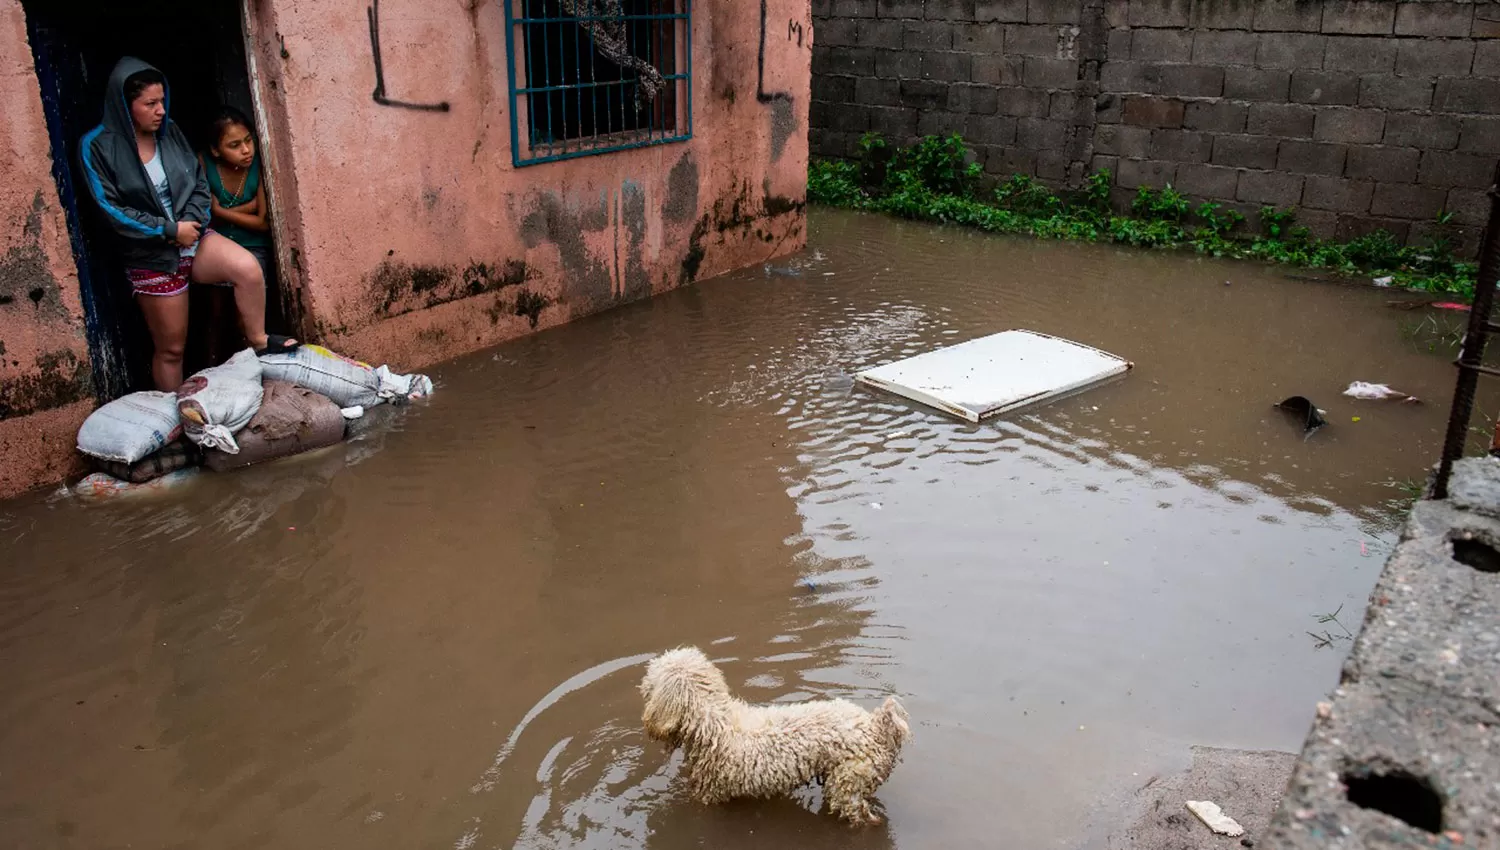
point(594, 76)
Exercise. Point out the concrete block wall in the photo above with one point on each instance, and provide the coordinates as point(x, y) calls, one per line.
point(1363, 114)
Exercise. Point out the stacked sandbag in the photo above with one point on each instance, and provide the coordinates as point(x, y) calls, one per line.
point(348, 382)
point(178, 454)
point(247, 410)
point(291, 420)
point(217, 402)
point(130, 427)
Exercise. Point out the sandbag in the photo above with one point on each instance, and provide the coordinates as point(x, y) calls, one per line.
point(131, 427)
point(178, 454)
point(348, 382)
point(291, 420)
point(217, 402)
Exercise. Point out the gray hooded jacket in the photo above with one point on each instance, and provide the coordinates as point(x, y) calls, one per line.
point(118, 183)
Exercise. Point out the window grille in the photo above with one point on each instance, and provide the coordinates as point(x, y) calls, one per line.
point(594, 76)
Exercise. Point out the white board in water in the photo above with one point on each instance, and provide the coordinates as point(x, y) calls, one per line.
point(995, 374)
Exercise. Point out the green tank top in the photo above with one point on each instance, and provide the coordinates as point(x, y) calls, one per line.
point(245, 237)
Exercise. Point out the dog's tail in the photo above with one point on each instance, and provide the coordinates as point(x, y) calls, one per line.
point(890, 721)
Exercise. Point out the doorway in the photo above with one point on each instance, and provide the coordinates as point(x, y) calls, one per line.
point(200, 47)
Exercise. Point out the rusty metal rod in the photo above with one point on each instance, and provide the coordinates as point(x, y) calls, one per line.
point(1471, 357)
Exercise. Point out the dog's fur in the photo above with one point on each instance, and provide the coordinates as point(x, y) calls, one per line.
point(735, 749)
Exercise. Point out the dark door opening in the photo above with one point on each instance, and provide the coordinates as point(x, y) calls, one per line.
point(200, 47)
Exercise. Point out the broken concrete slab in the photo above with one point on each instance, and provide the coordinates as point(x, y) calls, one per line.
point(1408, 753)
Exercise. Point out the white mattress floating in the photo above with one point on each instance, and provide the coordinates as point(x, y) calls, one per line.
point(995, 374)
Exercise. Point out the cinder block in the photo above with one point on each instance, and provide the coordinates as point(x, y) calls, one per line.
point(1290, 50)
point(1343, 124)
point(1434, 19)
point(1253, 84)
point(1359, 17)
point(1299, 157)
point(1324, 87)
point(1269, 187)
point(1338, 195)
point(1387, 165)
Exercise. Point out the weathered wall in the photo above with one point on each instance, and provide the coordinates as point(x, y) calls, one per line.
point(408, 236)
point(44, 361)
point(1363, 113)
point(415, 236)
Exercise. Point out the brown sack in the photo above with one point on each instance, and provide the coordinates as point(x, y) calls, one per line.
point(291, 420)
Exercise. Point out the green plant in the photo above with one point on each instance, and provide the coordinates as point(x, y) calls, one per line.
point(1024, 195)
point(938, 164)
point(1165, 204)
point(1277, 222)
point(934, 180)
point(1217, 220)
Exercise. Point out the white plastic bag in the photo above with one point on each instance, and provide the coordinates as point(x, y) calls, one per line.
point(219, 401)
point(130, 428)
point(1376, 392)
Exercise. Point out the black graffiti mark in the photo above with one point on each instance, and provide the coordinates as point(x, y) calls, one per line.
point(794, 28)
point(760, 73)
point(373, 12)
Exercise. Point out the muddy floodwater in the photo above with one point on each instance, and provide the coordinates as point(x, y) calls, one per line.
point(431, 637)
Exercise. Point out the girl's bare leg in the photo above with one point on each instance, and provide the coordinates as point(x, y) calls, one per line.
point(220, 260)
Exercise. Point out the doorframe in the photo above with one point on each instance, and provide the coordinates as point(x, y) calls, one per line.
point(288, 265)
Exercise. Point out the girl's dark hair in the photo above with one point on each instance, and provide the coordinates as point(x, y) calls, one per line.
point(227, 117)
point(140, 81)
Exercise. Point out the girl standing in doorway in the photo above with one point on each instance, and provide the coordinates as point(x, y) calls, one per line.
point(234, 182)
point(148, 182)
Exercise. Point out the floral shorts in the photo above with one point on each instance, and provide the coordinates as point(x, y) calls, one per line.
point(153, 282)
point(162, 284)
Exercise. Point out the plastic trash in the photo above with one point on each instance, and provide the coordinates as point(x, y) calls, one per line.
point(1376, 392)
point(217, 402)
point(1307, 413)
point(99, 486)
point(351, 413)
point(1384, 281)
point(1214, 818)
point(131, 427)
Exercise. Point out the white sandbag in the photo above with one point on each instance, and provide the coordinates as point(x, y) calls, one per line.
point(130, 428)
point(219, 401)
point(348, 382)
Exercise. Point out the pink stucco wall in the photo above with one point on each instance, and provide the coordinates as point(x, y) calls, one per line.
point(44, 361)
point(397, 210)
point(389, 219)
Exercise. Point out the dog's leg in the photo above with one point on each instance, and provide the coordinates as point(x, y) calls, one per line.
point(848, 792)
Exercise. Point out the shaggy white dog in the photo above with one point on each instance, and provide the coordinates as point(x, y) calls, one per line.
point(735, 749)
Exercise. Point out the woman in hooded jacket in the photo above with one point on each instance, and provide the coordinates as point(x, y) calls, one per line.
point(149, 184)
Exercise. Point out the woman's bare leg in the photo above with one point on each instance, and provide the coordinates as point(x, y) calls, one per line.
point(167, 318)
point(221, 260)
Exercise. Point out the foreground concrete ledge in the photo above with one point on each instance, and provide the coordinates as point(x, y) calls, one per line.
point(1407, 754)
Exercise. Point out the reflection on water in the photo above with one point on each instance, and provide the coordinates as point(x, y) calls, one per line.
point(431, 637)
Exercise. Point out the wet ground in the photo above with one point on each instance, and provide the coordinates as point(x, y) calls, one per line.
point(431, 637)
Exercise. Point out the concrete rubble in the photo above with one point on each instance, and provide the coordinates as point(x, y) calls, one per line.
point(1407, 754)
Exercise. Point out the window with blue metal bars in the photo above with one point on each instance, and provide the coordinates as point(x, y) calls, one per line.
point(594, 76)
